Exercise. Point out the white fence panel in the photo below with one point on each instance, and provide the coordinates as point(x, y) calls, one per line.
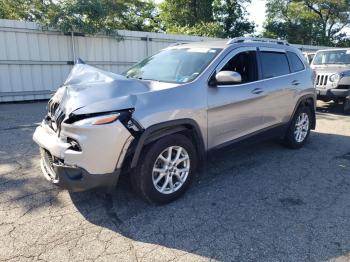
point(34, 62)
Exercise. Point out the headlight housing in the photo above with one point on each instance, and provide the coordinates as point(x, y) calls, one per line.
point(334, 78)
point(98, 120)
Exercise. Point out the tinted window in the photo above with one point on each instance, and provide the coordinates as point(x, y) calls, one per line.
point(295, 62)
point(274, 64)
point(245, 64)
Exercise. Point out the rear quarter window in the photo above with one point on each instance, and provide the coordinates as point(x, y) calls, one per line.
point(295, 62)
point(274, 64)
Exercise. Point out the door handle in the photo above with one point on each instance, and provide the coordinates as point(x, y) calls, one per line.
point(295, 83)
point(257, 91)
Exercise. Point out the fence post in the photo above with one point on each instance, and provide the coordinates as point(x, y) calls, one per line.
point(73, 46)
point(147, 45)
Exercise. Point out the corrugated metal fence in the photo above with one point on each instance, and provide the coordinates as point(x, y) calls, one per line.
point(34, 61)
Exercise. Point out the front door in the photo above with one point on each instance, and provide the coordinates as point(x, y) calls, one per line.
point(236, 110)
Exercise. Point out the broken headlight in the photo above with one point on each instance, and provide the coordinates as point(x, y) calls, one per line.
point(98, 120)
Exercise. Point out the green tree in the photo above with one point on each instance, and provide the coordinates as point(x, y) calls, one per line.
point(28, 10)
point(291, 21)
point(217, 18)
point(307, 22)
point(333, 16)
point(87, 16)
point(185, 13)
point(91, 16)
point(8, 9)
point(209, 29)
point(231, 16)
point(142, 16)
point(193, 17)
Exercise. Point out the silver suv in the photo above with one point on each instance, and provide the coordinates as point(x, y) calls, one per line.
point(332, 69)
point(158, 120)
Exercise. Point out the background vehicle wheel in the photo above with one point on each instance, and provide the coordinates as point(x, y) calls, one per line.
point(165, 169)
point(347, 105)
point(299, 128)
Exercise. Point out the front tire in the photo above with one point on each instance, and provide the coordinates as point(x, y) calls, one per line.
point(165, 170)
point(299, 129)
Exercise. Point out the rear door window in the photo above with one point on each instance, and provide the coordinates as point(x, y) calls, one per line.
point(274, 64)
point(295, 62)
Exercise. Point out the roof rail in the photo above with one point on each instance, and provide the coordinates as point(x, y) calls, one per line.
point(256, 39)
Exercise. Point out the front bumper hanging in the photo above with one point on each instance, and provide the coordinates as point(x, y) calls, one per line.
point(96, 164)
point(72, 178)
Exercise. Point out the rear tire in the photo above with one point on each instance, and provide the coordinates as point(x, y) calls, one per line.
point(162, 178)
point(299, 129)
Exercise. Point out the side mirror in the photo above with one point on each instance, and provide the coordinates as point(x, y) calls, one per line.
point(228, 77)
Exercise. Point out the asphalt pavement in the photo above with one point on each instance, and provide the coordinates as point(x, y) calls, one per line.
point(259, 203)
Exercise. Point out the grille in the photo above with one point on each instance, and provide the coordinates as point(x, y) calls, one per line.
point(55, 115)
point(321, 80)
point(52, 107)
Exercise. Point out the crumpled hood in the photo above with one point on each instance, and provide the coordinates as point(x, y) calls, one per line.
point(99, 90)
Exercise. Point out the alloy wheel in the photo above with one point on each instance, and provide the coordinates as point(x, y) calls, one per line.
point(171, 169)
point(301, 127)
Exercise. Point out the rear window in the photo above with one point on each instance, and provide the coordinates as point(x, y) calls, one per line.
point(295, 62)
point(274, 64)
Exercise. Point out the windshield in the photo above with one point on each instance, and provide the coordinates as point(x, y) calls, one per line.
point(332, 57)
point(179, 65)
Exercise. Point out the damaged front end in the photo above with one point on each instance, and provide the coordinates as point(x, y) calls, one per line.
point(88, 129)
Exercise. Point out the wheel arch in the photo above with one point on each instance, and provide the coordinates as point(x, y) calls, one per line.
point(157, 131)
point(308, 101)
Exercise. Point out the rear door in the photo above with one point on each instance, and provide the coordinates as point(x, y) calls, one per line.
point(279, 86)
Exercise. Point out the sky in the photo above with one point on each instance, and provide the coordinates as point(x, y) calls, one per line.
point(256, 12)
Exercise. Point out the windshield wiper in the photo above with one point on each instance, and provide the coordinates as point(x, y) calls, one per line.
point(135, 77)
point(146, 79)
